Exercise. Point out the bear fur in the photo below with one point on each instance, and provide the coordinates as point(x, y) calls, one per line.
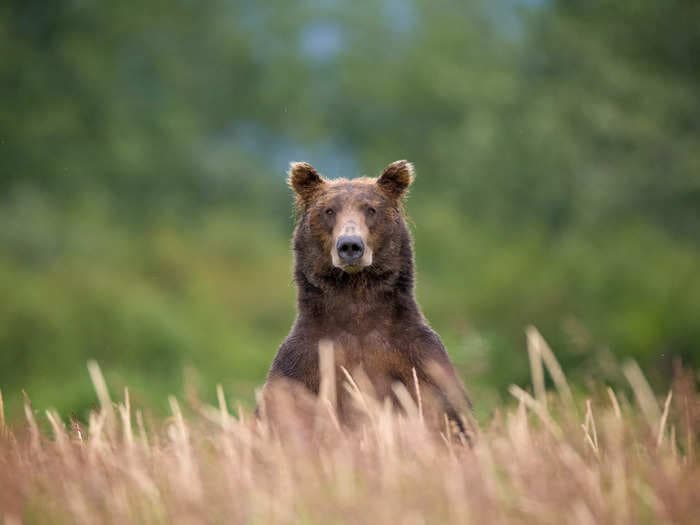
point(366, 310)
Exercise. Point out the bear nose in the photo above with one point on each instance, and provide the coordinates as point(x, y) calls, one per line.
point(350, 248)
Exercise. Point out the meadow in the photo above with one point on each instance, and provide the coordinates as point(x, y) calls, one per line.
point(547, 456)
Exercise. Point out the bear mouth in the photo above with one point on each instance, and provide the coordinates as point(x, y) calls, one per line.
point(352, 268)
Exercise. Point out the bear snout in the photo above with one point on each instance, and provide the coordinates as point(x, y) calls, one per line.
point(350, 248)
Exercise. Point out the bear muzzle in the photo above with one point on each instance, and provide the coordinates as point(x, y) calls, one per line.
point(351, 254)
point(351, 251)
point(350, 248)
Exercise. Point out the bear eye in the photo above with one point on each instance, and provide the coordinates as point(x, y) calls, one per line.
point(330, 212)
point(371, 211)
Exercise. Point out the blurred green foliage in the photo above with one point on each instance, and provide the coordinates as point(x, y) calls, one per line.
point(145, 223)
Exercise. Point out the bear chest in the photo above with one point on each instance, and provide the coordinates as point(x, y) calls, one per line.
point(374, 355)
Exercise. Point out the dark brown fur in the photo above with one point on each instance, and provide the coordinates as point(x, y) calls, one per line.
point(371, 317)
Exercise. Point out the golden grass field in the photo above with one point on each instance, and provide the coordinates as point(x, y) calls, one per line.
point(548, 457)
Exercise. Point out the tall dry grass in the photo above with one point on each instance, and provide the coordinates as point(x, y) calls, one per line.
point(548, 458)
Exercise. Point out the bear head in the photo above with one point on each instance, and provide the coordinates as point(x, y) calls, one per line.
point(351, 231)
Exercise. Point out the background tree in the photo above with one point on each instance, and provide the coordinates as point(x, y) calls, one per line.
point(145, 219)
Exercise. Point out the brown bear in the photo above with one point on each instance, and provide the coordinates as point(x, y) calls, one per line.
point(355, 279)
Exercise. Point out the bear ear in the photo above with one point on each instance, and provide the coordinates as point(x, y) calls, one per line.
point(396, 178)
point(305, 181)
